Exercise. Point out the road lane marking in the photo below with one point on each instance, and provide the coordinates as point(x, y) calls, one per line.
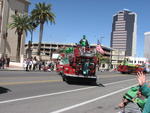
point(90, 101)
point(58, 93)
point(110, 76)
point(107, 76)
point(32, 82)
point(44, 95)
point(118, 82)
point(28, 82)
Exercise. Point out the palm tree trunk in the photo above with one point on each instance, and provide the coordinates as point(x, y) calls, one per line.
point(40, 39)
point(18, 47)
point(31, 36)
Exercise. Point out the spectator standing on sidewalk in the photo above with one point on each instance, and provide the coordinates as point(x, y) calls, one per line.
point(30, 64)
point(0, 63)
point(27, 64)
point(145, 90)
point(3, 62)
point(40, 64)
point(34, 63)
point(7, 61)
point(24, 64)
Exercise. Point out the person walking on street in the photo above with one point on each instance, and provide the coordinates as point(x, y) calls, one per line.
point(145, 90)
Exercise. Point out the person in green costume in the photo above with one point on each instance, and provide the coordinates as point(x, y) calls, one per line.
point(134, 95)
point(133, 101)
point(145, 90)
point(84, 42)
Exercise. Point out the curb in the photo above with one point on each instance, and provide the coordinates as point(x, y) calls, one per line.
point(10, 70)
point(24, 70)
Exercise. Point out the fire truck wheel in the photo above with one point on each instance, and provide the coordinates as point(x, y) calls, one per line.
point(63, 77)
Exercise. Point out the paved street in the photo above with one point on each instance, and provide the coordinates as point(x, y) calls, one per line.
point(45, 92)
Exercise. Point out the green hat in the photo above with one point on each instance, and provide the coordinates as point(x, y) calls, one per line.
point(84, 36)
point(132, 93)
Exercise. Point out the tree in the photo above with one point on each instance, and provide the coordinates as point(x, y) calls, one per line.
point(21, 24)
point(41, 14)
point(102, 60)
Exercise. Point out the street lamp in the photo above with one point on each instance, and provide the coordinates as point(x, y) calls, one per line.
point(34, 25)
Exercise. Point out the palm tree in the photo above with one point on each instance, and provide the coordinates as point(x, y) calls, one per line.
point(102, 60)
point(41, 14)
point(21, 24)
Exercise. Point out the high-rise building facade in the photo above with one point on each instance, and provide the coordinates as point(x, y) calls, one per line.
point(123, 35)
point(147, 45)
point(8, 37)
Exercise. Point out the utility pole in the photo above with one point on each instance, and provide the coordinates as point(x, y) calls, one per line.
point(101, 38)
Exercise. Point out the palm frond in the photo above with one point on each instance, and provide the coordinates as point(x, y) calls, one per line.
point(21, 23)
point(42, 13)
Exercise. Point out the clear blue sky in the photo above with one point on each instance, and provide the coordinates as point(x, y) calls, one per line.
point(92, 18)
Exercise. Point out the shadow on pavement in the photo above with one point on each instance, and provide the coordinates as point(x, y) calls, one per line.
point(4, 90)
point(85, 84)
point(100, 85)
point(80, 82)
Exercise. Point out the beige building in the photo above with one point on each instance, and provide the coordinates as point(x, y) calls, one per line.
point(8, 38)
point(117, 57)
point(47, 49)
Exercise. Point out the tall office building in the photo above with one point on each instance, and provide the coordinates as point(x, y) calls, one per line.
point(123, 35)
point(8, 37)
point(147, 45)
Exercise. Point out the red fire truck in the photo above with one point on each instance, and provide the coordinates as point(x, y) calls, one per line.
point(127, 68)
point(81, 66)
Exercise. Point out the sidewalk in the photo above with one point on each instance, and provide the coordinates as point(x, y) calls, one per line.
point(12, 68)
point(16, 68)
